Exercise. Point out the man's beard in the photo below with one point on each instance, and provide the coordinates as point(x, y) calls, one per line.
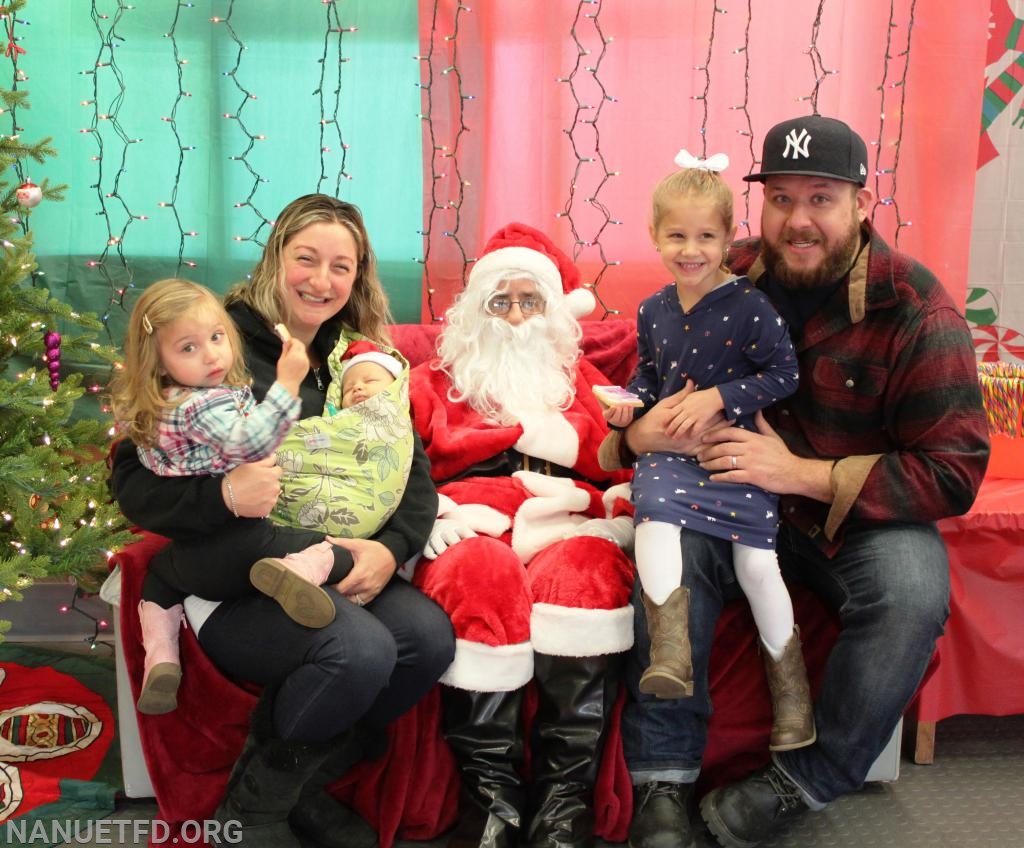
point(502, 370)
point(838, 259)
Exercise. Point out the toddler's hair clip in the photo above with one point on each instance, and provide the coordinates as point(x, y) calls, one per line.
point(717, 163)
point(147, 325)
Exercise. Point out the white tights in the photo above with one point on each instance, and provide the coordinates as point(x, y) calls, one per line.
point(659, 562)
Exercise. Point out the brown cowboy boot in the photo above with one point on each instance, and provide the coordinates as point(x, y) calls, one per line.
point(793, 726)
point(670, 674)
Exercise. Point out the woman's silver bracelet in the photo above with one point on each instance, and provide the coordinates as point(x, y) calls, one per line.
point(231, 496)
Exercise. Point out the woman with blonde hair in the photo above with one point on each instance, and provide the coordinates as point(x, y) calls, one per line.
point(388, 644)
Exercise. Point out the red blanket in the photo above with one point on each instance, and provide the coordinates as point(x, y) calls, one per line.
point(411, 793)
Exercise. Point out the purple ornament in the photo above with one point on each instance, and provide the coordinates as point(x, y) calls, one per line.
point(51, 338)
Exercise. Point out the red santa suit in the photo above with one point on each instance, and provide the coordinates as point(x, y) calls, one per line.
point(517, 558)
point(524, 587)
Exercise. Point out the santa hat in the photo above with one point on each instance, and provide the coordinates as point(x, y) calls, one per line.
point(520, 248)
point(366, 352)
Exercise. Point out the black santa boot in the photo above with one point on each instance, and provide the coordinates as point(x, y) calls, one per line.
point(484, 731)
point(575, 698)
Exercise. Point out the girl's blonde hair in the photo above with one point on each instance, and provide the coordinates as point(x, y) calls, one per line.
point(367, 309)
point(138, 386)
point(693, 183)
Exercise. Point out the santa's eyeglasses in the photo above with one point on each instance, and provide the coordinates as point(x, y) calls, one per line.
point(500, 305)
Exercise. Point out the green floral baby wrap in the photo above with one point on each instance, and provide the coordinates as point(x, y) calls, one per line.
point(345, 473)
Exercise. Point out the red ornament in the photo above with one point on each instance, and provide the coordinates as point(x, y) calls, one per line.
point(29, 194)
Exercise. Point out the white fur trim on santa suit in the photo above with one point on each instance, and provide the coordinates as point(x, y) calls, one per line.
point(457, 438)
point(485, 668)
point(580, 302)
point(620, 491)
point(544, 520)
point(574, 632)
point(545, 485)
point(506, 262)
point(548, 435)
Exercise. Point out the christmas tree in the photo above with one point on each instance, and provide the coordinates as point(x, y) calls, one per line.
point(56, 519)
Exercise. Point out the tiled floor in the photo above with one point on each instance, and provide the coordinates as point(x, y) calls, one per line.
point(971, 797)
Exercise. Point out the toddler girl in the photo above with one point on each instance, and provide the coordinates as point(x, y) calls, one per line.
point(715, 330)
point(183, 398)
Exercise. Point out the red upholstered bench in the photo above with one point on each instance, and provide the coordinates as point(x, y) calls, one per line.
point(411, 793)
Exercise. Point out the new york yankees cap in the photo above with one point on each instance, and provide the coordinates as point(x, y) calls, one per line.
point(813, 146)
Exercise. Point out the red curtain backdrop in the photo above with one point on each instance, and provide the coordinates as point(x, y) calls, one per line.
point(522, 123)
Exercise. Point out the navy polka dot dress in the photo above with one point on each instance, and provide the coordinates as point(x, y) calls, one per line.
point(734, 339)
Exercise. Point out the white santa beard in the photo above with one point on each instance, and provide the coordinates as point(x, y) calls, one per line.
point(507, 371)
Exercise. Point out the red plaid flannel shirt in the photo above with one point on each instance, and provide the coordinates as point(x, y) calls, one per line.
point(889, 388)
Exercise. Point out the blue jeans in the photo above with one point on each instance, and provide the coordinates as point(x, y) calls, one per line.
point(889, 586)
point(371, 663)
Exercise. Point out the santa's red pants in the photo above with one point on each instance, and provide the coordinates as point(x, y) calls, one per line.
point(572, 600)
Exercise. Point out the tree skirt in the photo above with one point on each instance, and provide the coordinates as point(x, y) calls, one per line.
point(59, 758)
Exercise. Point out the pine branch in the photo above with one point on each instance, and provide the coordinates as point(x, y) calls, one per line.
point(56, 518)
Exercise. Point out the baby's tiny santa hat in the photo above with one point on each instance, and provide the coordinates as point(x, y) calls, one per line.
point(368, 352)
point(521, 248)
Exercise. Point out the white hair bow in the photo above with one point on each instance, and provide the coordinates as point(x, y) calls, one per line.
point(718, 162)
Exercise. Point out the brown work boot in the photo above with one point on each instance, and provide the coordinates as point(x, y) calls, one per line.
point(670, 674)
point(793, 725)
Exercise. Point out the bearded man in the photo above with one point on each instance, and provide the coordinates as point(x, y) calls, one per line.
point(885, 435)
point(526, 555)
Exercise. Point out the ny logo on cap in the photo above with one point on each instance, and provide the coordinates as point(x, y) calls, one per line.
point(797, 143)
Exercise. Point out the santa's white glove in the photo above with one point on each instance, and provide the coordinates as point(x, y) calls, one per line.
point(481, 518)
point(445, 533)
point(618, 530)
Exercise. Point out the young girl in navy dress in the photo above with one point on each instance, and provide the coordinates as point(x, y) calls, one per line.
point(714, 330)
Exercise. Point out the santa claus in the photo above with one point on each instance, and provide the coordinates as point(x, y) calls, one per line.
point(527, 552)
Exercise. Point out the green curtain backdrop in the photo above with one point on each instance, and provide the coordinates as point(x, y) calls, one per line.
point(511, 140)
point(280, 53)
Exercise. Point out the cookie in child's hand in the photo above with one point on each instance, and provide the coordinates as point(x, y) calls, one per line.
point(282, 331)
point(617, 396)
